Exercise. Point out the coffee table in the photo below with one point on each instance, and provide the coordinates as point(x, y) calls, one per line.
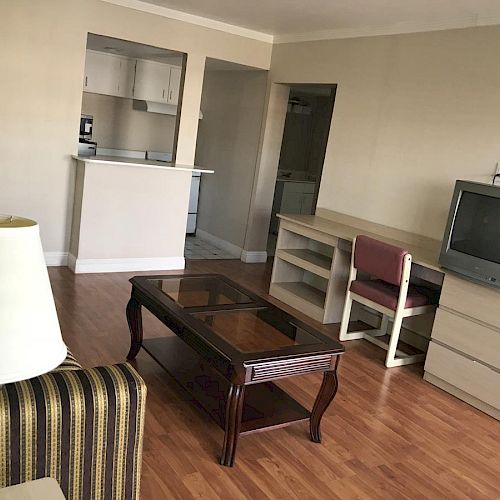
point(228, 348)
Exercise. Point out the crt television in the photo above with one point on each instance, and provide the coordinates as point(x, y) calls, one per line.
point(471, 243)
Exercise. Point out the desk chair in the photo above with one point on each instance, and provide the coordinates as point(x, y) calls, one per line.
point(389, 293)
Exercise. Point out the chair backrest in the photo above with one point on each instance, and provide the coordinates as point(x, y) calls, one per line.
point(379, 259)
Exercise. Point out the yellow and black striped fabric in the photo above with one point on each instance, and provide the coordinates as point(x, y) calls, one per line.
point(70, 363)
point(83, 427)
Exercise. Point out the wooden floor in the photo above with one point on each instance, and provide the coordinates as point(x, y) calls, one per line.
point(388, 434)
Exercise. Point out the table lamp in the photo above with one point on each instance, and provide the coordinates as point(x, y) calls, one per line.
point(30, 337)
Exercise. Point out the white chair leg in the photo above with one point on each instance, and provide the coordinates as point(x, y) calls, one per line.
point(346, 314)
point(382, 329)
point(343, 335)
point(393, 343)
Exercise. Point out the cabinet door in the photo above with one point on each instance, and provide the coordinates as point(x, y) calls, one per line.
point(175, 84)
point(126, 77)
point(307, 204)
point(151, 81)
point(101, 73)
point(291, 201)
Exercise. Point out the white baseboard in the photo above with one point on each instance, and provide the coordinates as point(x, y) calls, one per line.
point(238, 252)
point(229, 247)
point(79, 266)
point(56, 258)
point(253, 257)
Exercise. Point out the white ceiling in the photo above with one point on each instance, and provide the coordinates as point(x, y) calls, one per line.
point(133, 50)
point(292, 18)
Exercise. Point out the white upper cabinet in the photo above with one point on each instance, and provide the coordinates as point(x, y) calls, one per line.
point(100, 73)
point(126, 77)
point(108, 74)
point(175, 85)
point(157, 82)
point(120, 76)
point(152, 81)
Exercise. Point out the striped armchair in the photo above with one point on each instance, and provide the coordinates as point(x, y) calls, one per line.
point(83, 427)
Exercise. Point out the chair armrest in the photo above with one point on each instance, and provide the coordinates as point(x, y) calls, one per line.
point(83, 427)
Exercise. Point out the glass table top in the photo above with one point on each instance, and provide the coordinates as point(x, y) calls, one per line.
point(227, 320)
point(200, 291)
point(256, 330)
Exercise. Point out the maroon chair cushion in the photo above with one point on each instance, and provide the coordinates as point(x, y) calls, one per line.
point(387, 295)
point(379, 259)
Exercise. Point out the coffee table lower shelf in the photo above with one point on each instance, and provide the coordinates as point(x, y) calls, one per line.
point(265, 406)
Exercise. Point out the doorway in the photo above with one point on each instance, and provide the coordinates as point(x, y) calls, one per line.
point(303, 148)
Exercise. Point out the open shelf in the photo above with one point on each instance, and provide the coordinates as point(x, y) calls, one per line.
point(306, 292)
point(309, 271)
point(307, 259)
point(302, 296)
point(265, 405)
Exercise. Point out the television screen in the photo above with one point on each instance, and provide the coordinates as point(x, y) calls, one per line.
point(476, 230)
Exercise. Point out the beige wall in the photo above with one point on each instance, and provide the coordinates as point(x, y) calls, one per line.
point(117, 125)
point(228, 141)
point(42, 46)
point(412, 114)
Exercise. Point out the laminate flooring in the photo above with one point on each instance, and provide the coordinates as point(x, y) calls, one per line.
point(387, 435)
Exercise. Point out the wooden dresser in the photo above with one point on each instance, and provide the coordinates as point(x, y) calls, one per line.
point(464, 353)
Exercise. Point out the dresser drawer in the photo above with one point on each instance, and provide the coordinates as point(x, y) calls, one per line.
point(475, 340)
point(470, 376)
point(476, 301)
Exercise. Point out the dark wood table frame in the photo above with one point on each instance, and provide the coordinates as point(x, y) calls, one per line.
point(246, 378)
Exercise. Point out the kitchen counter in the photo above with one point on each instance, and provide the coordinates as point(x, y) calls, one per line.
point(136, 162)
point(129, 214)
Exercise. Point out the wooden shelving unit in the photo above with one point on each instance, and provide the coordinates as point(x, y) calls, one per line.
point(310, 272)
point(309, 260)
point(301, 296)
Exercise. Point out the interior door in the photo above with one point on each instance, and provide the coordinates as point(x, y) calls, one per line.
point(307, 204)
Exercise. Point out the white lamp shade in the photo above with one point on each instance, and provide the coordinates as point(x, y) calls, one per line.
point(30, 337)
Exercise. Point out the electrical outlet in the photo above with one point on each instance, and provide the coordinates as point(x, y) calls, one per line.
point(497, 171)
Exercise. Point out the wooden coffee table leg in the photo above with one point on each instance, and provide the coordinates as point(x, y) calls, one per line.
point(325, 397)
point(234, 409)
point(134, 318)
